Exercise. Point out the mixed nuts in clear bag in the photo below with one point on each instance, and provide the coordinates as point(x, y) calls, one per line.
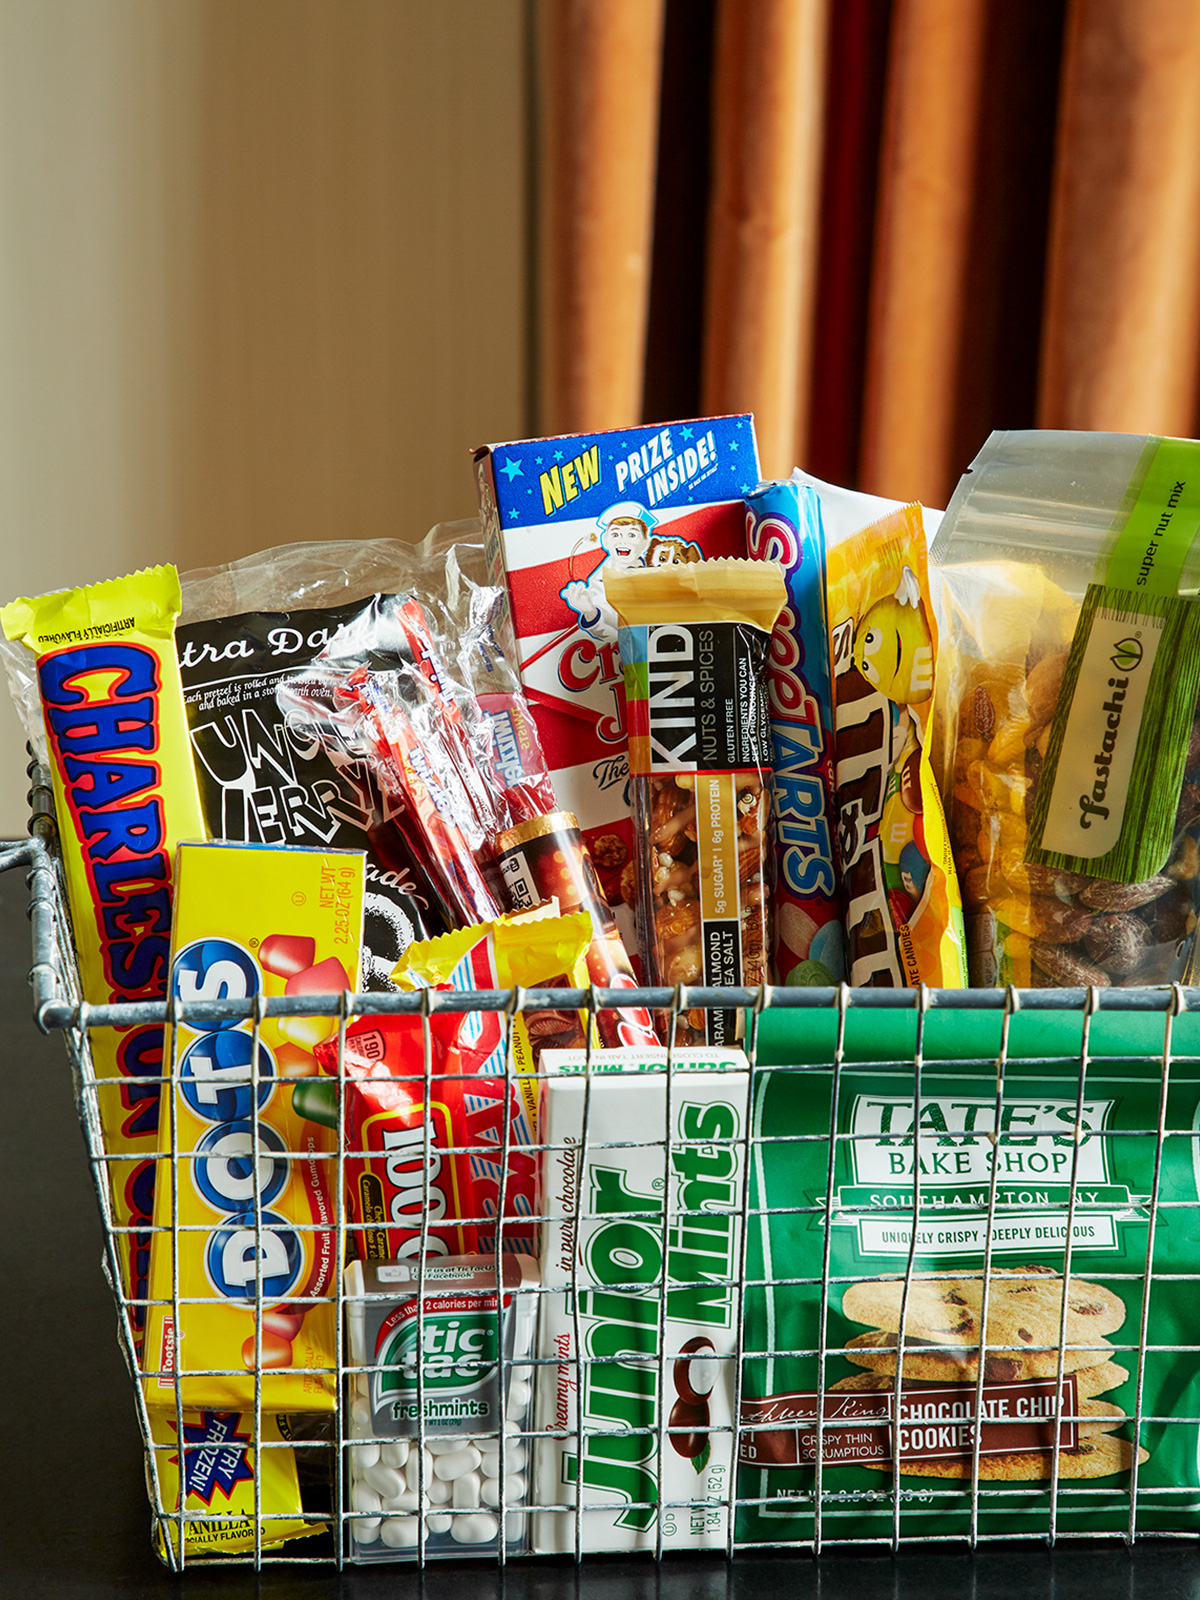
point(1071, 741)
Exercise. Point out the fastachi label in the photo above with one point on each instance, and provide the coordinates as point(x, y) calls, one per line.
point(1115, 762)
point(1101, 734)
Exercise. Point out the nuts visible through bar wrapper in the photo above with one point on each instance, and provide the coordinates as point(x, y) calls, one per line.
point(694, 643)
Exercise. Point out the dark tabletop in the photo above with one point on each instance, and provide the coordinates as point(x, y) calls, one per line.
point(73, 1513)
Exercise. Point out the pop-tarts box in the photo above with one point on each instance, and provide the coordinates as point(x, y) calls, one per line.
point(560, 513)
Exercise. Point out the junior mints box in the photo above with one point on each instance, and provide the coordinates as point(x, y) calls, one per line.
point(558, 515)
point(658, 1210)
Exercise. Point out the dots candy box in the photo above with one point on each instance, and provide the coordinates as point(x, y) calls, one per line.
point(558, 515)
point(619, 1182)
point(250, 1290)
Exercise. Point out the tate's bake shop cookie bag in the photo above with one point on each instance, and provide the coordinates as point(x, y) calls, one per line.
point(1069, 684)
point(1129, 1278)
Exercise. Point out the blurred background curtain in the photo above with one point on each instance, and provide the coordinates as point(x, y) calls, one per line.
point(885, 226)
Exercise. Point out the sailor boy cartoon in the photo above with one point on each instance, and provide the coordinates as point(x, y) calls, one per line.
point(624, 534)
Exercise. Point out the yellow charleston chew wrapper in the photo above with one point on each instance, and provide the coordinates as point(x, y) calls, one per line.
point(904, 922)
point(220, 1464)
point(125, 794)
point(251, 920)
point(694, 643)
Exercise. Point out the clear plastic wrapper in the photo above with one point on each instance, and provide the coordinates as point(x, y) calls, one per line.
point(400, 684)
point(1071, 758)
point(545, 861)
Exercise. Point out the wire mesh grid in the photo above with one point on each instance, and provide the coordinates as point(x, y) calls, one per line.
point(791, 1499)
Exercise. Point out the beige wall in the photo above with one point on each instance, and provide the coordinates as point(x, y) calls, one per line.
point(262, 278)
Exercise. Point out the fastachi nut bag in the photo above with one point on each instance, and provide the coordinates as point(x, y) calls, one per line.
point(1071, 761)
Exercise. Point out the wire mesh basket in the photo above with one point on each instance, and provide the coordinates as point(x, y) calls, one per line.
point(891, 1157)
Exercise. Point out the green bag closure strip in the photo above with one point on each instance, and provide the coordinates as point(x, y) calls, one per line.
point(1158, 524)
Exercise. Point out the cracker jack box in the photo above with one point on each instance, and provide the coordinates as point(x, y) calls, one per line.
point(256, 1252)
point(636, 1209)
point(558, 514)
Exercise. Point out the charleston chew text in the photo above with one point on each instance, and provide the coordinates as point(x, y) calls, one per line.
point(125, 794)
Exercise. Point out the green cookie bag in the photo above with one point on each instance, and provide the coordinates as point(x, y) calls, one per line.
point(1063, 1415)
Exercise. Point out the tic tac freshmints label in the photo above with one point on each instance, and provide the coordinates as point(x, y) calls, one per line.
point(255, 1259)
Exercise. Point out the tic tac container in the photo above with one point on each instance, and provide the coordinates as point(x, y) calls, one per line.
point(242, 1267)
point(643, 1183)
point(441, 1405)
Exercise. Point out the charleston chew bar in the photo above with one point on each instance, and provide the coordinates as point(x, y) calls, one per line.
point(125, 795)
point(694, 643)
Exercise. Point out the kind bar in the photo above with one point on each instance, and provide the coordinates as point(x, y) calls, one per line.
point(694, 641)
point(784, 525)
point(561, 514)
point(245, 1282)
point(546, 860)
point(219, 1467)
point(965, 1183)
point(125, 795)
point(454, 1369)
point(640, 1327)
point(904, 921)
